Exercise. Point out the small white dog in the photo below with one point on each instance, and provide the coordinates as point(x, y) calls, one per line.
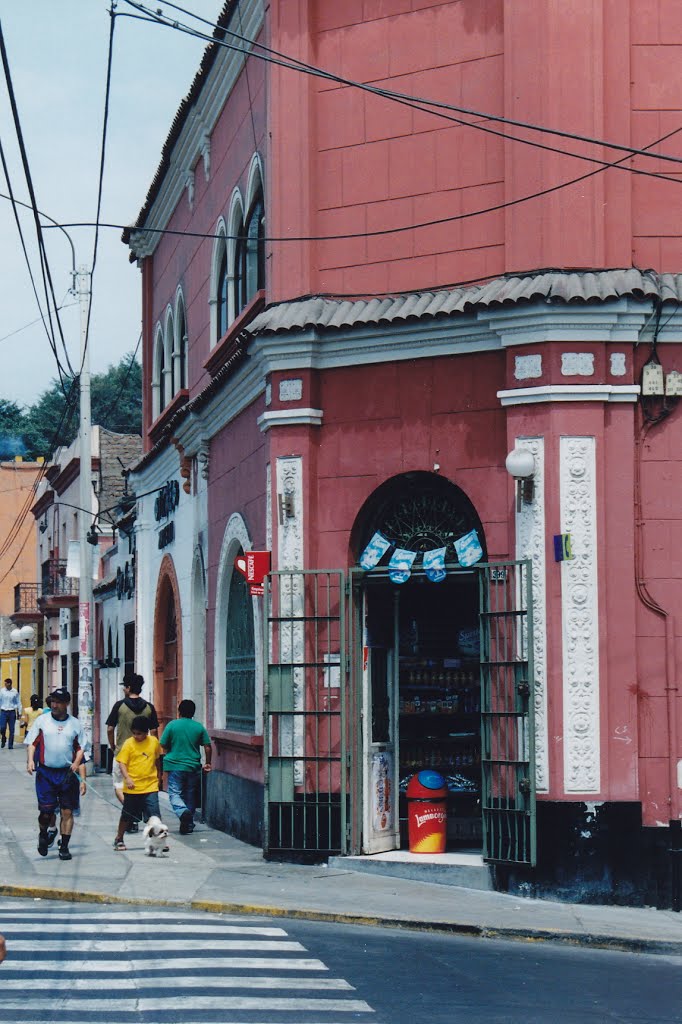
point(155, 837)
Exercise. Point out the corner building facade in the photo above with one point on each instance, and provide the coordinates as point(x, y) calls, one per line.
point(319, 385)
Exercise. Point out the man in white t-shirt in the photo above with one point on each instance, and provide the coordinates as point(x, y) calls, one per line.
point(59, 741)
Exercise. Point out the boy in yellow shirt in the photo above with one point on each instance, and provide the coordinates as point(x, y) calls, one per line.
point(140, 762)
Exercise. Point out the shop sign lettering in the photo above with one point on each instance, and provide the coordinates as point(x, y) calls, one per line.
point(167, 534)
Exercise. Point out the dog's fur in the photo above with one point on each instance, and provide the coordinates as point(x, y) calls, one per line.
point(155, 837)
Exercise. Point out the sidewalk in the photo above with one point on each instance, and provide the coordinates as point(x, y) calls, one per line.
point(211, 871)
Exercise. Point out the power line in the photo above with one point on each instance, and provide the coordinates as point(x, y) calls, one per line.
point(380, 231)
point(39, 319)
point(105, 121)
point(45, 267)
point(284, 60)
point(125, 379)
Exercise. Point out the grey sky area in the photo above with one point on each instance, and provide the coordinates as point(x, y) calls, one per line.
point(57, 54)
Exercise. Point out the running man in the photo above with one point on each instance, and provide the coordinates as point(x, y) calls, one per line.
point(59, 740)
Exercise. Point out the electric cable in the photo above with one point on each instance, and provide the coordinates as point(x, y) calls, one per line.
point(14, 202)
point(132, 229)
point(31, 323)
point(105, 122)
point(45, 266)
point(285, 60)
point(105, 414)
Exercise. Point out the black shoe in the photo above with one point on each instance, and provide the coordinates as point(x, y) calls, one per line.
point(4, 741)
point(51, 836)
point(43, 843)
point(133, 827)
point(186, 823)
point(64, 853)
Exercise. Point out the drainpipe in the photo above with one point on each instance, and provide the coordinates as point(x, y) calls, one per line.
point(671, 685)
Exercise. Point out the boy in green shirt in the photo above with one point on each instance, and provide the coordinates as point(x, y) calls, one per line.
point(140, 762)
point(182, 741)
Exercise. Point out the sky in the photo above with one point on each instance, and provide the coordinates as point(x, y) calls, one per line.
point(57, 53)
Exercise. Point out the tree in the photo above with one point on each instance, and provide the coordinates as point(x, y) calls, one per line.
point(12, 425)
point(116, 402)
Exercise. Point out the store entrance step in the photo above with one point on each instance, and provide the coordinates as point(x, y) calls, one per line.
point(466, 870)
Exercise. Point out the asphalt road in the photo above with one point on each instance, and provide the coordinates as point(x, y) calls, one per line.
point(86, 964)
point(422, 978)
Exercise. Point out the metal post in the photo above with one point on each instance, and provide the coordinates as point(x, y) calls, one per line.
point(85, 623)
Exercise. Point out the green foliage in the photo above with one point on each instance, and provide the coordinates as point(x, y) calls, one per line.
point(116, 403)
point(12, 423)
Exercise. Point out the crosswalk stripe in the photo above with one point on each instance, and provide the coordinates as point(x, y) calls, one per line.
point(142, 942)
point(149, 1005)
point(101, 929)
point(181, 987)
point(173, 965)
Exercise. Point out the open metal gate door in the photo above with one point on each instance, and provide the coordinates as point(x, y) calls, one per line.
point(507, 733)
point(307, 767)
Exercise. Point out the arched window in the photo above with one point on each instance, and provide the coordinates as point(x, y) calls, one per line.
point(159, 397)
point(222, 294)
point(219, 291)
point(255, 246)
point(180, 345)
point(239, 279)
point(168, 346)
point(240, 657)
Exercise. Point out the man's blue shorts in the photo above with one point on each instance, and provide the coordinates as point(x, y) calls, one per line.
point(57, 788)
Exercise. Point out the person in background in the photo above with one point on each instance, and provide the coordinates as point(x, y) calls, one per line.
point(10, 707)
point(61, 744)
point(119, 727)
point(33, 711)
point(181, 743)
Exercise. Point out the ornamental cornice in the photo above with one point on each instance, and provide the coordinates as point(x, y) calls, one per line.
point(193, 143)
point(570, 393)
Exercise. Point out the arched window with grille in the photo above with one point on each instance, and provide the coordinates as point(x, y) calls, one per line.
point(219, 296)
point(159, 397)
point(255, 246)
point(240, 657)
point(180, 345)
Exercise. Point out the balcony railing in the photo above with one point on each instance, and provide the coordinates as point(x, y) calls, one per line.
point(26, 597)
point(55, 582)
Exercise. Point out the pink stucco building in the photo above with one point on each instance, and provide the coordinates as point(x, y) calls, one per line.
point(401, 240)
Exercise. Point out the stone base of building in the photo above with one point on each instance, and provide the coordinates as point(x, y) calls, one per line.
point(597, 853)
point(235, 805)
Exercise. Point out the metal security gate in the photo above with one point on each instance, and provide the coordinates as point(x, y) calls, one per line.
point(307, 765)
point(507, 734)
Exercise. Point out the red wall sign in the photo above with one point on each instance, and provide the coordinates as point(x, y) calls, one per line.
point(254, 567)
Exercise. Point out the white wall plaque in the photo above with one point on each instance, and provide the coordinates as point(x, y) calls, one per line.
point(577, 364)
point(291, 390)
point(527, 367)
point(580, 616)
point(618, 367)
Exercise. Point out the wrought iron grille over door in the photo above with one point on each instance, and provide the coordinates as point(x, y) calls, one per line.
point(507, 734)
point(306, 742)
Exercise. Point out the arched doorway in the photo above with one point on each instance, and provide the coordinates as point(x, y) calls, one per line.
point(167, 645)
point(421, 673)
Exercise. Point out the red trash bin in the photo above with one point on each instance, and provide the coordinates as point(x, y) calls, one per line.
point(427, 795)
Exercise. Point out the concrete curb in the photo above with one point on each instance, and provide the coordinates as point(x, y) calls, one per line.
point(590, 940)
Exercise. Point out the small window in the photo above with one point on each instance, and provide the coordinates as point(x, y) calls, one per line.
point(255, 247)
point(239, 283)
point(222, 293)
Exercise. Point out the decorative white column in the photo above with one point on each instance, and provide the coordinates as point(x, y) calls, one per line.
point(530, 543)
point(580, 616)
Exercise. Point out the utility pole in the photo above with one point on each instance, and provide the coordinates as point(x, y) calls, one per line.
point(85, 617)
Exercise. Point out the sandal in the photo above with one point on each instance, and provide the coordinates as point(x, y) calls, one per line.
point(119, 844)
